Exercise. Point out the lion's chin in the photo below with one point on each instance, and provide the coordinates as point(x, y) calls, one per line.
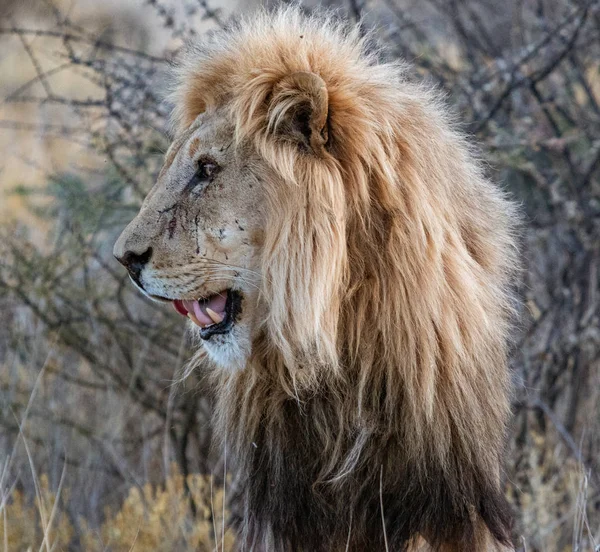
point(214, 315)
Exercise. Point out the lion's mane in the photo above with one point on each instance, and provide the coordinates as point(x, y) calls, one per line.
point(378, 387)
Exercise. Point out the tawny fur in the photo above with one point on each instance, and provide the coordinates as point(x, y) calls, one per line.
point(371, 409)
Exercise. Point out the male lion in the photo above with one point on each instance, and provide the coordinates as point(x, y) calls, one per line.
point(346, 267)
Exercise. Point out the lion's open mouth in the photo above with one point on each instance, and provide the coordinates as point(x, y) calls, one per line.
point(215, 314)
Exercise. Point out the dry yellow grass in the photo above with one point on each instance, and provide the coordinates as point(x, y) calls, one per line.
point(21, 526)
point(160, 517)
point(155, 517)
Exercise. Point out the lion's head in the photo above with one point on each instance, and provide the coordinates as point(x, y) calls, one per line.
point(318, 199)
point(213, 236)
point(244, 230)
point(325, 228)
point(198, 237)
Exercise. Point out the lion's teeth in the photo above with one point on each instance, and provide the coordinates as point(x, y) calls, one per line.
point(216, 318)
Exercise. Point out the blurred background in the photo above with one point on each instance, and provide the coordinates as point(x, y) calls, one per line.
point(100, 447)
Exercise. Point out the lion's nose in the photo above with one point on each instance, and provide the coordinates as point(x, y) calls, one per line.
point(134, 262)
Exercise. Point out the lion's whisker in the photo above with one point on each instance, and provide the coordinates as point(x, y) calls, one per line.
point(216, 277)
point(226, 265)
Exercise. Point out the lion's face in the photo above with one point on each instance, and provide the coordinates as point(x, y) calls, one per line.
point(197, 238)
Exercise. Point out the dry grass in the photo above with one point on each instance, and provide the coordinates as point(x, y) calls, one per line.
point(156, 517)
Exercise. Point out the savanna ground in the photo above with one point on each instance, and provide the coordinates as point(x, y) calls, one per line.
point(101, 446)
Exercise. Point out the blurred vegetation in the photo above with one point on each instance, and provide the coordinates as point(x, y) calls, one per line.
point(89, 370)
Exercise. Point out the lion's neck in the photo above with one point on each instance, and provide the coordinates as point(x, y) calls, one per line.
point(307, 467)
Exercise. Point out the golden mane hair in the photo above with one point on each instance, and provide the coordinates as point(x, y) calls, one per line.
point(379, 380)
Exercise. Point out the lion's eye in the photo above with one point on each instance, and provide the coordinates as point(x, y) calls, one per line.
point(206, 169)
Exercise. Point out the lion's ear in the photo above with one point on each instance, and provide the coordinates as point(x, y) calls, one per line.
point(298, 110)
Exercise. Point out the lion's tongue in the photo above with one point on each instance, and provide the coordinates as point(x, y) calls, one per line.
point(216, 303)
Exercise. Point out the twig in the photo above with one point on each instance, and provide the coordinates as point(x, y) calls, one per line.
point(75, 38)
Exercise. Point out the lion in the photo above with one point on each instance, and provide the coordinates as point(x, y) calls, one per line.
point(347, 269)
